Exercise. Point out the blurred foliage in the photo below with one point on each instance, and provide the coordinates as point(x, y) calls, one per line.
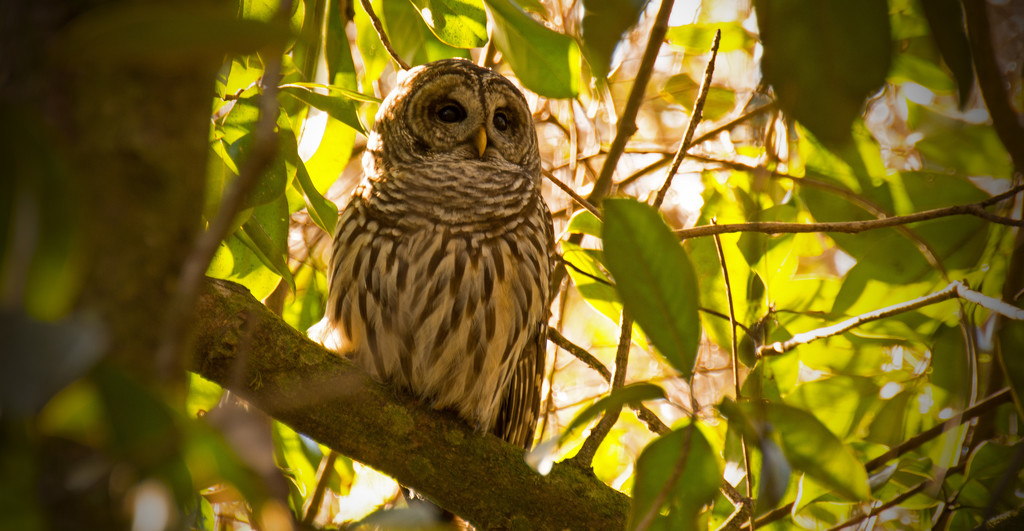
point(875, 117)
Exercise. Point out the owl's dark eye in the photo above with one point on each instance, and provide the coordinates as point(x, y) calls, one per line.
point(451, 113)
point(501, 121)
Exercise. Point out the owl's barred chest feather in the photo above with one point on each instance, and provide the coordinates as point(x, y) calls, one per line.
point(442, 310)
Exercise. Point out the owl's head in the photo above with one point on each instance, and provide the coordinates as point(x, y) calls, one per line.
point(452, 111)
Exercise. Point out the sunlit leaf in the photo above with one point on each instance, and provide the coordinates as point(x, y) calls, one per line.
point(458, 23)
point(263, 235)
point(375, 57)
point(807, 444)
point(811, 448)
point(682, 89)
point(410, 37)
point(823, 58)
point(342, 109)
point(697, 38)
point(323, 212)
point(341, 91)
point(585, 222)
point(237, 262)
point(681, 471)
point(545, 61)
point(654, 279)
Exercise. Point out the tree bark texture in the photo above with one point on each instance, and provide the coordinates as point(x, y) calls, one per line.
point(244, 347)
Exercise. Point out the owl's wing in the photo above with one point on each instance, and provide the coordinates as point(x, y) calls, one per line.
point(520, 407)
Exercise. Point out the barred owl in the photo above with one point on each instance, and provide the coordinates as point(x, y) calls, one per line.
point(440, 263)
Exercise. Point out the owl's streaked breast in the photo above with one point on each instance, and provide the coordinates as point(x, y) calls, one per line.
point(445, 310)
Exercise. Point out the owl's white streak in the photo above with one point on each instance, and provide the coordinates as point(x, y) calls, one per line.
point(439, 273)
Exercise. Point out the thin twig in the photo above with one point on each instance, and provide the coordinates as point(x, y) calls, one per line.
point(648, 417)
point(748, 479)
point(586, 454)
point(916, 441)
point(851, 227)
point(704, 137)
point(572, 193)
point(691, 126)
point(953, 290)
point(379, 28)
point(264, 149)
point(580, 353)
point(626, 126)
point(878, 510)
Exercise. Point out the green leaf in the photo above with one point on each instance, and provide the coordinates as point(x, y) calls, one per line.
point(375, 57)
point(342, 91)
point(808, 445)
point(323, 212)
point(682, 89)
point(458, 23)
point(823, 58)
point(698, 37)
point(410, 37)
point(681, 464)
point(889, 425)
point(235, 261)
point(545, 61)
point(342, 109)
point(255, 236)
point(946, 21)
point(604, 22)
point(811, 448)
point(238, 127)
point(654, 279)
point(590, 280)
point(585, 222)
point(628, 394)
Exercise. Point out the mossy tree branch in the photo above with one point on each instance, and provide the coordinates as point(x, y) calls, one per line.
point(241, 345)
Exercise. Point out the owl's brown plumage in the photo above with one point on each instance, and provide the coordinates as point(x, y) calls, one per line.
point(440, 265)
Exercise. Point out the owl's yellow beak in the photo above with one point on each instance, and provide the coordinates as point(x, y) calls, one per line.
point(481, 141)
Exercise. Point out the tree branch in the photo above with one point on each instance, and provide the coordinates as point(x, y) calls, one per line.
point(955, 289)
point(326, 397)
point(586, 453)
point(648, 417)
point(851, 227)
